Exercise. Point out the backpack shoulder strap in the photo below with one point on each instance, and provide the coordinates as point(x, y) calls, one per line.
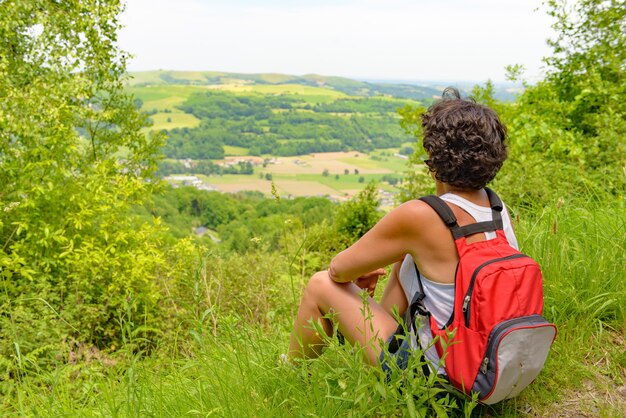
point(496, 207)
point(442, 209)
point(447, 216)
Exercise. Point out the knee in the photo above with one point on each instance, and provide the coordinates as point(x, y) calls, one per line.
point(319, 283)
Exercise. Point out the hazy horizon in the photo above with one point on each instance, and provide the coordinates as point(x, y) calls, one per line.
point(399, 40)
point(366, 79)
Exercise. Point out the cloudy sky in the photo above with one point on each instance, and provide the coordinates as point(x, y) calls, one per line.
point(442, 40)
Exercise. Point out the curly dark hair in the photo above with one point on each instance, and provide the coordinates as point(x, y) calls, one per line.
point(464, 141)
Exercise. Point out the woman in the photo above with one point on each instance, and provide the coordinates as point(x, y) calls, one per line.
point(465, 145)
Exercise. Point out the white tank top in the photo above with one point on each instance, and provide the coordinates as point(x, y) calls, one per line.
point(439, 298)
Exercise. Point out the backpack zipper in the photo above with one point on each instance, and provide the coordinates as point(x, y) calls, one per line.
point(494, 336)
point(468, 296)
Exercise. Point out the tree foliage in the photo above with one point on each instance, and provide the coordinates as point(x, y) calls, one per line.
point(357, 216)
point(72, 160)
point(284, 125)
point(565, 132)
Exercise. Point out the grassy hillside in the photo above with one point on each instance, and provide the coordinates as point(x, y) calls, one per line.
point(340, 84)
point(222, 359)
point(423, 91)
point(211, 116)
point(160, 100)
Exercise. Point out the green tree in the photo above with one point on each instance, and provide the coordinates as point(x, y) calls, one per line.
point(567, 131)
point(357, 216)
point(72, 161)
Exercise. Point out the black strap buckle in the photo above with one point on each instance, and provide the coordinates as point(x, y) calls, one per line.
point(417, 305)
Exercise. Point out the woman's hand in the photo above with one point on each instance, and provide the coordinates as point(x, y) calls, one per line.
point(370, 280)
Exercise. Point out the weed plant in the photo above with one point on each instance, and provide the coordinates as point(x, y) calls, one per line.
point(222, 357)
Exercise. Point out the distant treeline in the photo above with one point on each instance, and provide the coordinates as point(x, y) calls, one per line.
point(285, 125)
point(341, 84)
point(203, 167)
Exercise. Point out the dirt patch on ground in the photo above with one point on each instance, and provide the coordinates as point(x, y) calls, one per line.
point(262, 186)
point(593, 399)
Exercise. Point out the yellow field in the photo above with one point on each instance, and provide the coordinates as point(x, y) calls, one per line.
point(283, 187)
point(251, 184)
point(160, 97)
point(334, 162)
point(145, 77)
point(302, 175)
point(295, 176)
point(176, 119)
point(154, 77)
point(188, 75)
point(276, 78)
point(279, 89)
point(230, 150)
point(166, 97)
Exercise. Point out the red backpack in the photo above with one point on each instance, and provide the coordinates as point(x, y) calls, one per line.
point(496, 341)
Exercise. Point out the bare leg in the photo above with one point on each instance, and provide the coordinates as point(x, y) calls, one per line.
point(321, 296)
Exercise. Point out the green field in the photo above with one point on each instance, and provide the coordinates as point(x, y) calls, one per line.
point(307, 178)
point(345, 183)
point(164, 98)
point(145, 77)
point(161, 96)
point(308, 94)
point(175, 119)
point(375, 161)
point(230, 150)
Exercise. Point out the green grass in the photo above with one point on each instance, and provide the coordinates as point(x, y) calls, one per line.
point(230, 150)
point(276, 78)
point(154, 77)
point(581, 250)
point(344, 182)
point(164, 97)
point(376, 161)
point(188, 75)
point(307, 94)
point(223, 363)
point(175, 119)
point(235, 373)
point(145, 77)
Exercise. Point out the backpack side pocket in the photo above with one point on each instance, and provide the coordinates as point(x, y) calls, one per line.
point(516, 352)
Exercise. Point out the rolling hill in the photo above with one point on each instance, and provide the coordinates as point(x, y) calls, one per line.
point(344, 85)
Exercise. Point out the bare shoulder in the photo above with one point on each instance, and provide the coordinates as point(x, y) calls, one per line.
point(414, 208)
point(415, 215)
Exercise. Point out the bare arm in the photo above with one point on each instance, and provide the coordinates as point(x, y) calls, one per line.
point(386, 243)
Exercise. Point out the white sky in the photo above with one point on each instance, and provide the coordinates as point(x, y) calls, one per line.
point(443, 40)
